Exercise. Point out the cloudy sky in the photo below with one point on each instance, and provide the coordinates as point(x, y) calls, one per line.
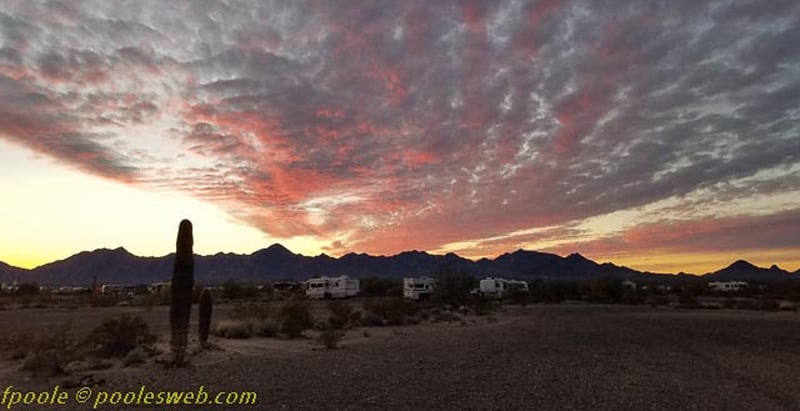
point(664, 135)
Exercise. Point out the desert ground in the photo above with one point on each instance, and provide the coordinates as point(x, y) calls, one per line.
point(540, 357)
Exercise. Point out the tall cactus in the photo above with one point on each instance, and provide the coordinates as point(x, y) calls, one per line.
point(182, 285)
point(205, 308)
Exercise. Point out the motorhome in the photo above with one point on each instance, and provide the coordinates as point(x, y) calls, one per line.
point(418, 288)
point(726, 286)
point(500, 287)
point(332, 287)
point(118, 289)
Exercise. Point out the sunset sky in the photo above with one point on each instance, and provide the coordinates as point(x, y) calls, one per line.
point(662, 135)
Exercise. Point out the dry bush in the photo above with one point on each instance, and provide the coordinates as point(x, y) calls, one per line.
point(343, 316)
point(395, 311)
point(266, 328)
point(330, 337)
point(50, 353)
point(137, 355)
point(257, 311)
point(115, 337)
point(295, 318)
point(238, 329)
point(371, 320)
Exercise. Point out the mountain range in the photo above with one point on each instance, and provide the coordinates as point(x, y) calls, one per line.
point(276, 263)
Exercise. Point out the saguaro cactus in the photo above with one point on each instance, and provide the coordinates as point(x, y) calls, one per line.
point(182, 285)
point(206, 305)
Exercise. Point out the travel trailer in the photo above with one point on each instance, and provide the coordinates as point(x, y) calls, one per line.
point(418, 288)
point(332, 287)
point(118, 289)
point(500, 287)
point(727, 285)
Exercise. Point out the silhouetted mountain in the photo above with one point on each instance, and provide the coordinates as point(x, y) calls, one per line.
point(744, 271)
point(277, 263)
point(9, 273)
point(110, 266)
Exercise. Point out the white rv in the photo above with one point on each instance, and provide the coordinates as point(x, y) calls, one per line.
point(418, 288)
point(332, 287)
point(727, 285)
point(500, 287)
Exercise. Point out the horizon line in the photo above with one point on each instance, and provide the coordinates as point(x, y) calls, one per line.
point(392, 255)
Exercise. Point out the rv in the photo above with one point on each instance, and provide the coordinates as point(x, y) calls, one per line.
point(727, 285)
point(418, 288)
point(118, 289)
point(500, 287)
point(332, 287)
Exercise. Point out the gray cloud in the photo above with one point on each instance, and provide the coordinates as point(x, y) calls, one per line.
point(443, 121)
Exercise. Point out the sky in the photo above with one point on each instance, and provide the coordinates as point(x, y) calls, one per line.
point(662, 135)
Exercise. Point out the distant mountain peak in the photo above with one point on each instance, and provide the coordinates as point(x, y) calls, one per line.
point(278, 247)
point(742, 264)
point(576, 256)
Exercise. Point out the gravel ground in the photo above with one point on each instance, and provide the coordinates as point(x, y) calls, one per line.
point(549, 357)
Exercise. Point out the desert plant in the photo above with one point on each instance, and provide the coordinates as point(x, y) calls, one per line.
point(52, 352)
point(182, 284)
point(135, 356)
point(342, 315)
point(115, 337)
point(453, 286)
point(394, 311)
point(256, 311)
point(295, 318)
point(330, 337)
point(266, 328)
point(232, 290)
point(205, 309)
point(28, 289)
point(378, 287)
point(239, 329)
point(371, 319)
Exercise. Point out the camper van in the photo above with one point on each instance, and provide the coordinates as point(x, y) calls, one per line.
point(501, 287)
point(332, 287)
point(418, 288)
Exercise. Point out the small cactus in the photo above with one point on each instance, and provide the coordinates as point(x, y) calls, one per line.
point(182, 285)
point(206, 305)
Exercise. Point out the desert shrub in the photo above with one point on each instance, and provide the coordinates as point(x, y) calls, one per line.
point(28, 289)
point(519, 297)
point(256, 311)
point(557, 291)
point(295, 318)
point(480, 305)
point(453, 287)
point(115, 337)
point(235, 329)
point(51, 352)
point(393, 311)
point(342, 315)
point(135, 356)
point(15, 347)
point(687, 299)
point(370, 319)
point(330, 337)
point(379, 287)
point(237, 291)
point(152, 299)
point(657, 300)
point(101, 300)
point(606, 290)
point(266, 328)
point(762, 304)
point(438, 315)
